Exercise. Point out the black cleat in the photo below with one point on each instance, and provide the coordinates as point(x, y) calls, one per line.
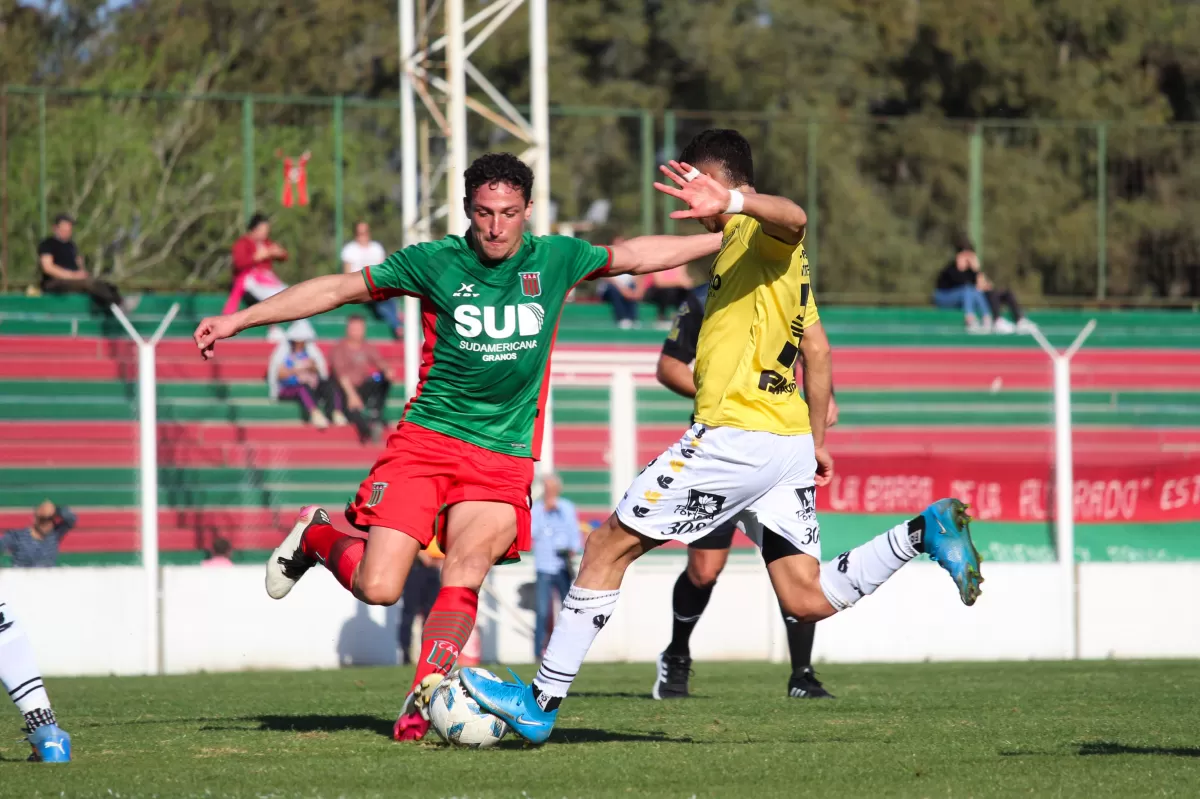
point(807, 686)
point(673, 674)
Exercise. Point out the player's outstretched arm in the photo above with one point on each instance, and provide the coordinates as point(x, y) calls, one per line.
point(645, 254)
point(779, 216)
point(312, 297)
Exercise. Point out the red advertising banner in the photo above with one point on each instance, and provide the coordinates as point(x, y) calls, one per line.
point(1014, 490)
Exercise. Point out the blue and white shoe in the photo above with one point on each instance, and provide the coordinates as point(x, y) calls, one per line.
point(50, 745)
point(513, 702)
point(948, 541)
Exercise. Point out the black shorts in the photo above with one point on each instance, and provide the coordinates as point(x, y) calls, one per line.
point(721, 538)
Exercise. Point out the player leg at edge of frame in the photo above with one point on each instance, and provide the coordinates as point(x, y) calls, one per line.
point(706, 560)
point(22, 679)
point(808, 590)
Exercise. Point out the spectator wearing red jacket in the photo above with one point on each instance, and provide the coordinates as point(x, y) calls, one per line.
point(253, 257)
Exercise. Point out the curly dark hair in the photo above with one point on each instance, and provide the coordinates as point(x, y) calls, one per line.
point(493, 168)
point(725, 147)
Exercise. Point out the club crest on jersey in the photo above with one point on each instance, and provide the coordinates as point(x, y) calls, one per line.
point(531, 283)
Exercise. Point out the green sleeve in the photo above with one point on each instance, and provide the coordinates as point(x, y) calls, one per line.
point(586, 261)
point(406, 271)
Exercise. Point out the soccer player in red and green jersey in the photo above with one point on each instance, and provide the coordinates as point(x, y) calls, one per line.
point(460, 463)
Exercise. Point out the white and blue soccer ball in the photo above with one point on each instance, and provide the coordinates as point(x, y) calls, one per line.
point(459, 720)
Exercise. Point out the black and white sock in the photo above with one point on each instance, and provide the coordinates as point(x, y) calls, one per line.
point(584, 613)
point(857, 573)
point(688, 602)
point(19, 672)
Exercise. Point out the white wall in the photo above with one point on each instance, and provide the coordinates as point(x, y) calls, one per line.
point(92, 621)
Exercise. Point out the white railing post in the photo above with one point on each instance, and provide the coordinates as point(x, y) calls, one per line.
point(623, 432)
point(1064, 481)
point(148, 477)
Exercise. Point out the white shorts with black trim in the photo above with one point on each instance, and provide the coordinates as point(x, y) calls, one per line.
point(716, 475)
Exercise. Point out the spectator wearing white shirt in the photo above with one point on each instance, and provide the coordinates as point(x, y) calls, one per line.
point(358, 254)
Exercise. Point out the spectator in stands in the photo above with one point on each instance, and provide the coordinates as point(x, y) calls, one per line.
point(221, 549)
point(37, 546)
point(623, 293)
point(253, 273)
point(668, 290)
point(298, 371)
point(361, 252)
point(364, 377)
point(62, 271)
point(420, 590)
point(962, 285)
point(556, 539)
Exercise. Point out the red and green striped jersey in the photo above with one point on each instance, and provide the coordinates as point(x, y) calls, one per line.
point(488, 331)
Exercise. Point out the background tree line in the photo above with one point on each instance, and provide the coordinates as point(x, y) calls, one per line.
point(895, 86)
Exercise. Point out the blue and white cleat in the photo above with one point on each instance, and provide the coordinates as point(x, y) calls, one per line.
point(513, 702)
point(948, 541)
point(50, 745)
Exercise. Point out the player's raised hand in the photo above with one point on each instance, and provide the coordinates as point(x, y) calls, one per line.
point(703, 195)
point(212, 330)
point(824, 467)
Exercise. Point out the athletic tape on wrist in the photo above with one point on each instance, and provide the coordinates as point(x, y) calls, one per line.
point(736, 202)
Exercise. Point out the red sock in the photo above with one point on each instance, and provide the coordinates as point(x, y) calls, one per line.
point(339, 552)
point(446, 631)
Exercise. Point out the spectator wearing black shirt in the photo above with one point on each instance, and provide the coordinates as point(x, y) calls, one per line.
point(62, 268)
point(961, 285)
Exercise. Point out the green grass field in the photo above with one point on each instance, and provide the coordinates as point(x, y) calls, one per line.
point(1034, 729)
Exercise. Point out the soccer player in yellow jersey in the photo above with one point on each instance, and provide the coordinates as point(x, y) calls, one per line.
point(755, 454)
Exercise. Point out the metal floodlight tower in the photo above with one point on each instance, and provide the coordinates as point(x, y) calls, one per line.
point(447, 101)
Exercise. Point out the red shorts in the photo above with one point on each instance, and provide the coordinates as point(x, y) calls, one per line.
point(422, 473)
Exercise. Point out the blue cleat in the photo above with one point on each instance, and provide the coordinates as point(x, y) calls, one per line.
point(948, 541)
point(513, 702)
point(50, 745)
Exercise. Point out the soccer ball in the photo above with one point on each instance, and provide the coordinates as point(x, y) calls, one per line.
point(459, 720)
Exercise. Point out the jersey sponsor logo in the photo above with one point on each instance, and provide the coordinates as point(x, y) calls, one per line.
point(701, 505)
point(524, 320)
point(774, 383)
point(664, 481)
point(465, 290)
point(377, 490)
point(531, 283)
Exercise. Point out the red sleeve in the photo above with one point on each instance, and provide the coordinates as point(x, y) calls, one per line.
point(283, 257)
point(243, 253)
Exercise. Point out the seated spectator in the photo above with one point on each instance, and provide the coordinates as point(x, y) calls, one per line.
point(364, 377)
point(253, 273)
point(37, 546)
point(62, 271)
point(298, 371)
point(357, 255)
point(962, 285)
point(956, 290)
point(668, 290)
point(623, 293)
point(219, 557)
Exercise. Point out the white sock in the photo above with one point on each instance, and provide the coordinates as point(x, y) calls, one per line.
point(19, 672)
point(584, 613)
point(854, 574)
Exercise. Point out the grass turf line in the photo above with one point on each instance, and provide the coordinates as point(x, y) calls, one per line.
point(1044, 729)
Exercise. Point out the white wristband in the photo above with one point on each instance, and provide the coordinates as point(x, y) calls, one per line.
point(692, 175)
point(736, 201)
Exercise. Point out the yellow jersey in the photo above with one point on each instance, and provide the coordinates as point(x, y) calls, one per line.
point(759, 303)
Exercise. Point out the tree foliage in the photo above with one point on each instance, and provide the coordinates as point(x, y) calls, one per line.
point(887, 91)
